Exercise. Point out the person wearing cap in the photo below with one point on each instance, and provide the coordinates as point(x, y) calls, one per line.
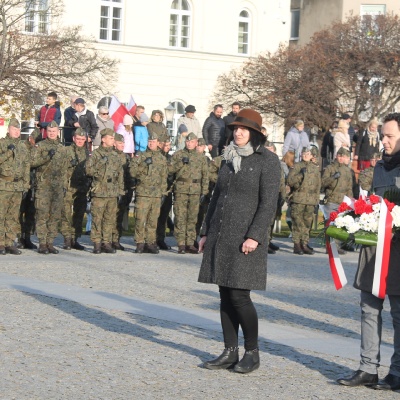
point(49, 112)
point(365, 177)
point(190, 121)
point(385, 180)
point(314, 155)
point(295, 140)
point(214, 131)
point(156, 125)
point(234, 237)
point(49, 159)
point(141, 132)
point(125, 128)
point(14, 185)
point(305, 182)
point(341, 137)
point(337, 182)
point(83, 118)
point(230, 118)
point(105, 168)
point(75, 199)
point(150, 171)
point(181, 137)
point(124, 201)
point(190, 189)
point(103, 121)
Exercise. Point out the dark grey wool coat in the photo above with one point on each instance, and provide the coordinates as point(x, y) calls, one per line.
point(243, 206)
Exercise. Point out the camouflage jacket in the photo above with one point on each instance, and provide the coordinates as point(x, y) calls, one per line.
point(78, 181)
point(305, 187)
point(151, 177)
point(105, 167)
point(14, 166)
point(125, 162)
point(214, 167)
point(191, 178)
point(157, 127)
point(50, 171)
point(365, 179)
point(336, 189)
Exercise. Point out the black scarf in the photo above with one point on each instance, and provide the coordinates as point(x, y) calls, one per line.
point(391, 162)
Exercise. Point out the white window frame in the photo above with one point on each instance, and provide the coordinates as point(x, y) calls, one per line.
point(292, 12)
point(33, 8)
point(245, 20)
point(180, 13)
point(372, 9)
point(111, 5)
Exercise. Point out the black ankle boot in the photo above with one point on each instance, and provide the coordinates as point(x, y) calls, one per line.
point(227, 359)
point(249, 362)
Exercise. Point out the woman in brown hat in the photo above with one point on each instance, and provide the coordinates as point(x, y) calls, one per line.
point(234, 237)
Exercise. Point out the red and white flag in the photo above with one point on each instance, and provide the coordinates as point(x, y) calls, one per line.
point(131, 106)
point(338, 275)
point(117, 112)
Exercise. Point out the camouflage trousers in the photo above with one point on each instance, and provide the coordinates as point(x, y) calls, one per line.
point(27, 213)
point(186, 209)
point(302, 219)
point(72, 214)
point(48, 205)
point(162, 219)
point(104, 211)
point(121, 210)
point(147, 211)
point(9, 213)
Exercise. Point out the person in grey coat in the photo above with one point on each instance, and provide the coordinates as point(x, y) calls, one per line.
point(385, 181)
point(296, 138)
point(235, 237)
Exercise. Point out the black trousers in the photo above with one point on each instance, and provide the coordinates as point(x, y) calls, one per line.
point(237, 309)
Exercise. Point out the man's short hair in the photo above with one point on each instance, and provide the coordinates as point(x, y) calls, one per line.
point(392, 117)
point(52, 94)
point(139, 108)
point(218, 106)
point(236, 103)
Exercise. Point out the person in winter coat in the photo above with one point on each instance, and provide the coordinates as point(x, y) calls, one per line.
point(235, 237)
point(156, 125)
point(386, 178)
point(191, 123)
point(49, 112)
point(327, 147)
point(84, 119)
point(341, 137)
point(141, 133)
point(103, 121)
point(295, 140)
point(229, 119)
point(125, 129)
point(214, 131)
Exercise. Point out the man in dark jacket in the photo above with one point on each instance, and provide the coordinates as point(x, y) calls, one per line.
point(84, 119)
point(385, 178)
point(68, 132)
point(214, 131)
point(229, 119)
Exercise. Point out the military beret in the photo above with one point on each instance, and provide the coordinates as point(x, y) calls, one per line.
point(376, 156)
point(153, 136)
point(15, 123)
point(191, 136)
point(107, 132)
point(305, 149)
point(343, 152)
point(201, 142)
point(314, 151)
point(79, 132)
point(164, 138)
point(119, 138)
point(52, 124)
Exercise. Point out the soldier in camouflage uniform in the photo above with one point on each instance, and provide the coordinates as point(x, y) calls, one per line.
point(14, 185)
point(305, 182)
point(337, 182)
point(365, 177)
point(150, 171)
point(214, 168)
point(105, 167)
point(123, 203)
point(191, 187)
point(51, 183)
point(27, 209)
point(75, 198)
point(164, 143)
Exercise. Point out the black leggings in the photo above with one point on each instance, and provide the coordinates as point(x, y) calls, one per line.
point(238, 309)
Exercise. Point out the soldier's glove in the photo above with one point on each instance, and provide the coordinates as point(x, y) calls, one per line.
point(104, 159)
point(202, 198)
point(11, 147)
point(303, 170)
point(163, 197)
point(74, 162)
point(185, 160)
point(148, 161)
point(134, 182)
point(51, 153)
point(64, 191)
point(336, 175)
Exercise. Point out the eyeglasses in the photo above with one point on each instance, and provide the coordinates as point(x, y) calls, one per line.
point(104, 113)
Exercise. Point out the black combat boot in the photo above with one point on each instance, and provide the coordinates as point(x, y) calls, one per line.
point(43, 249)
point(307, 249)
point(118, 246)
point(75, 245)
point(13, 250)
point(2, 251)
point(52, 249)
point(181, 249)
point(191, 250)
point(297, 249)
point(67, 243)
point(249, 362)
point(107, 248)
point(97, 248)
point(139, 248)
point(228, 359)
point(152, 248)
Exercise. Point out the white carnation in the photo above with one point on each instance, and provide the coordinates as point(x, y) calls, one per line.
point(396, 216)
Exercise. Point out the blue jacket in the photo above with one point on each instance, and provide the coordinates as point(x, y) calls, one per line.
point(141, 138)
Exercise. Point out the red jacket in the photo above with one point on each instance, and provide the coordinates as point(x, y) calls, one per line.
point(46, 115)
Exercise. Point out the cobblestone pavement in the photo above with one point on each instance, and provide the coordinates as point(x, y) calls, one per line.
point(60, 349)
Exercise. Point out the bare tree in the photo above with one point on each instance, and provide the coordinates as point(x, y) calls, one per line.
point(47, 57)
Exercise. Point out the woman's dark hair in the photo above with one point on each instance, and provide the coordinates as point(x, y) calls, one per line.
point(257, 139)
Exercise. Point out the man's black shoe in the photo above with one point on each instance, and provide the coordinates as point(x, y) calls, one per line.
point(273, 246)
point(359, 378)
point(271, 250)
point(162, 245)
point(390, 382)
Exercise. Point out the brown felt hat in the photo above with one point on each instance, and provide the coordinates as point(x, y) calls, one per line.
point(248, 118)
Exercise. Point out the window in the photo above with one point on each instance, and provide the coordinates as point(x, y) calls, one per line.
point(179, 24)
point(373, 9)
point(111, 20)
point(37, 16)
point(295, 24)
point(244, 27)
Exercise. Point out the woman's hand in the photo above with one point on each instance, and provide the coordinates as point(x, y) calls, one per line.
point(202, 243)
point(249, 245)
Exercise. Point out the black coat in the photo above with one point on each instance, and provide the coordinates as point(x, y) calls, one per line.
point(228, 130)
point(214, 131)
point(243, 206)
point(364, 150)
point(87, 122)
